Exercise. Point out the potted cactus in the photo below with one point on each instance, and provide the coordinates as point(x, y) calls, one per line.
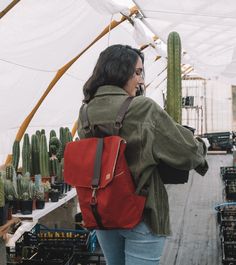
point(54, 195)
point(26, 190)
point(3, 216)
point(11, 197)
point(39, 195)
point(46, 186)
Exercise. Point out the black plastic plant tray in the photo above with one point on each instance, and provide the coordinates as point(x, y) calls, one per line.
point(51, 255)
point(229, 262)
point(228, 173)
point(83, 240)
point(229, 250)
point(230, 192)
point(95, 258)
point(228, 234)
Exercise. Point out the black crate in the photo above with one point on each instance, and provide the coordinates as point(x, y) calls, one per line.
point(83, 240)
point(226, 215)
point(220, 141)
point(228, 234)
point(230, 190)
point(95, 258)
point(228, 173)
point(229, 250)
point(51, 254)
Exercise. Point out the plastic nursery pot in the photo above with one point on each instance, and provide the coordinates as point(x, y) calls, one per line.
point(40, 204)
point(27, 207)
point(54, 196)
point(58, 186)
point(3, 214)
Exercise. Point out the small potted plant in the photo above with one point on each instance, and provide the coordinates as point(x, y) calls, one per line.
point(39, 194)
point(3, 217)
point(26, 190)
point(46, 186)
point(54, 195)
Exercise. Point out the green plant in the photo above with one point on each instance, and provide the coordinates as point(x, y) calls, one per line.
point(25, 187)
point(174, 87)
point(39, 195)
point(10, 172)
point(69, 137)
point(62, 137)
point(2, 193)
point(54, 166)
point(26, 154)
point(61, 170)
point(46, 186)
point(54, 145)
point(52, 134)
point(10, 191)
point(35, 154)
point(16, 154)
point(43, 156)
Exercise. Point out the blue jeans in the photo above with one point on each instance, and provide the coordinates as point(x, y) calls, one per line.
point(135, 246)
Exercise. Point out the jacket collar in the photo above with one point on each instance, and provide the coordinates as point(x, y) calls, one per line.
point(110, 90)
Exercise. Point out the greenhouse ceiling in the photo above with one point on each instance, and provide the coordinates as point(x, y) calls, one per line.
point(48, 49)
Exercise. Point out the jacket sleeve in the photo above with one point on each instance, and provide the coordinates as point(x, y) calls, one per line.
point(176, 145)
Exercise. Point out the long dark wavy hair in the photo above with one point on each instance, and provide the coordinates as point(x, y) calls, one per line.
point(115, 66)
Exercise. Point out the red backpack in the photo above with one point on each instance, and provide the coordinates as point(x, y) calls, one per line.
point(97, 167)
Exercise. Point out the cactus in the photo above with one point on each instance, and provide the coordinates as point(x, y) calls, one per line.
point(61, 171)
point(52, 134)
point(174, 89)
point(10, 172)
point(2, 193)
point(43, 156)
point(26, 154)
point(42, 131)
point(69, 137)
point(60, 153)
point(25, 187)
point(16, 154)
point(54, 166)
point(10, 191)
point(54, 145)
point(35, 154)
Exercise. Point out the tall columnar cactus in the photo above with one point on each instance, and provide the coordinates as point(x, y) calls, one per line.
point(174, 88)
point(26, 154)
point(2, 194)
point(62, 137)
point(10, 190)
point(38, 133)
point(52, 134)
point(54, 145)
point(16, 154)
point(69, 137)
point(43, 156)
point(54, 166)
point(10, 171)
point(35, 154)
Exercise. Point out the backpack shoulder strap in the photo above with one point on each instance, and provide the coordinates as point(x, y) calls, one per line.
point(121, 114)
point(85, 121)
point(118, 122)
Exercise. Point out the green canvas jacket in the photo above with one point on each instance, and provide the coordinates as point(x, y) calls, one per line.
point(151, 135)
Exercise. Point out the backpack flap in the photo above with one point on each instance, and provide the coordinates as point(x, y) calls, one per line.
point(79, 159)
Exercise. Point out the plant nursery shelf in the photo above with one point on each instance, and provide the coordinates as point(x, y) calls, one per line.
point(29, 221)
point(49, 206)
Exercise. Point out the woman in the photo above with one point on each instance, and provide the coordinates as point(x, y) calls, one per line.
point(151, 136)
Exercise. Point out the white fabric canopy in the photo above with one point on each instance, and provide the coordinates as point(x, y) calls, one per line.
point(37, 38)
